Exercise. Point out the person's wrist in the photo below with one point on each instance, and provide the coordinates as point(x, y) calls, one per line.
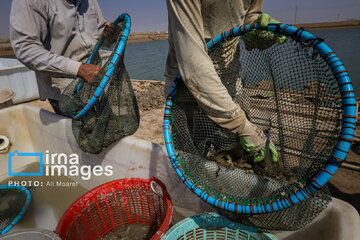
point(80, 71)
point(72, 68)
point(88, 71)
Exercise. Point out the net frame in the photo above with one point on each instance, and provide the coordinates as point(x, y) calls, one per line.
point(114, 61)
point(331, 165)
point(23, 210)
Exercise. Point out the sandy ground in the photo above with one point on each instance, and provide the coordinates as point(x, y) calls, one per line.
point(136, 37)
point(343, 185)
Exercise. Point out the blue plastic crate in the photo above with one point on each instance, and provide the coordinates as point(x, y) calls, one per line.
point(213, 226)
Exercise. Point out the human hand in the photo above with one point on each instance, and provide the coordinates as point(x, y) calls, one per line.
point(264, 20)
point(268, 150)
point(262, 39)
point(247, 151)
point(111, 33)
point(109, 30)
point(255, 142)
point(88, 71)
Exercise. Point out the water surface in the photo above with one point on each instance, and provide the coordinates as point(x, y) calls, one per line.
point(147, 60)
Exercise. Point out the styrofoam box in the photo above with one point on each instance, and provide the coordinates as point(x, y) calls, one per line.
point(20, 79)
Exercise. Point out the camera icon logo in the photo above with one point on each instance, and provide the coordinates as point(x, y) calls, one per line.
point(24, 156)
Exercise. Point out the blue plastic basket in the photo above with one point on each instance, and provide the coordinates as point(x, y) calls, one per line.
point(213, 226)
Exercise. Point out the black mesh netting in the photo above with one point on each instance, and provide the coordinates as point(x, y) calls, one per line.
point(12, 201)
point(115, 114)
point(290, 92)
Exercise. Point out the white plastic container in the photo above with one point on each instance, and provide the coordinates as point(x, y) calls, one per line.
point(34, 130)
point(15, 76)
point(6, 97)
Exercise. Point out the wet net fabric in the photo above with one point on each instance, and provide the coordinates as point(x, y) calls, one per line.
point(115, 114)
point(12, 201)
point(287, 90)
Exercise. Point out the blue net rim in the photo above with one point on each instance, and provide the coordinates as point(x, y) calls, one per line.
point(114, 61)
point(23, 210)
point(331, 165)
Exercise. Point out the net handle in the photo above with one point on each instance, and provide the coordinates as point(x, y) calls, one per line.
point(332, 164)
point(114, 61)
point(96, 49)
point(23, 210)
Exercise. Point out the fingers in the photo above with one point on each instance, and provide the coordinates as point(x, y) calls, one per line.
point(264, 20)
point(88, 71)
point(109, 29)
point(261, 155)
point(247, 145)
point(274, 153)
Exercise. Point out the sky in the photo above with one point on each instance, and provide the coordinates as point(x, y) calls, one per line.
point(151, 15)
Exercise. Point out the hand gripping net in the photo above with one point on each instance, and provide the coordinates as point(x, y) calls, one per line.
point(105, 109)
point(300, 94)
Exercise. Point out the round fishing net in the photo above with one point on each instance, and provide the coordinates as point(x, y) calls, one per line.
point(104, 110)
point(298, 92)
point(13, 204)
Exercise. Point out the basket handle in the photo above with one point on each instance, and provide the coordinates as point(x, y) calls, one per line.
point(164, 193)
point(161, 195)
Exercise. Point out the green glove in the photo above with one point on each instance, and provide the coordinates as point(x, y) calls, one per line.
point(268, 150)
point(262, 39)
point(264, 152)
point(264, 19)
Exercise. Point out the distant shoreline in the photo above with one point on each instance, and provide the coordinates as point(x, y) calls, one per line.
point(147, 38)
point(330, 25)
point(138, 37)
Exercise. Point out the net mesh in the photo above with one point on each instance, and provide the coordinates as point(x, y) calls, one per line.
point(287, 90)
point(115, 114)
point(12, 202)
